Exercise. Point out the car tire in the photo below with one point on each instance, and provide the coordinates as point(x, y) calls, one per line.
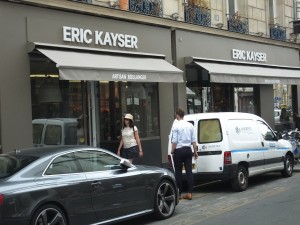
point(288, 167)
point(49, 214)
point(240, 180)
point(165, 200)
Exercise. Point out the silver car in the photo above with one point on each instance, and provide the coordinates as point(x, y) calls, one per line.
point(75, 185)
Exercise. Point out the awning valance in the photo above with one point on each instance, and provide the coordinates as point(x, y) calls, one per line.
point(89, 65)
point(250, 74)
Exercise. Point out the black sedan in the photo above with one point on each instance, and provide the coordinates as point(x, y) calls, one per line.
point(73, 185)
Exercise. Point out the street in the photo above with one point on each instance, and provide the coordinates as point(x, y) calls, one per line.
point(270, 199)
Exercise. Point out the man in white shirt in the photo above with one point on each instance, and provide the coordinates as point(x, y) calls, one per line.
point(182, 138)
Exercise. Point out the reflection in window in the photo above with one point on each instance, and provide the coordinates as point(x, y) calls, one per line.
point(244, 99)
point(266, 131)
point(283, 103)
point(37, 133)
point(63, 103)
point(119, 98)
point(276, 12)
point(63, 165)
point(92, 161)
point(237, 6)
point(53, 135)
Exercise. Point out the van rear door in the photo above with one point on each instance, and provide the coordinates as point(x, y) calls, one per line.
point(210, 146)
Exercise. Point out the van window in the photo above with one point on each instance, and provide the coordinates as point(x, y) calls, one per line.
point(37, 133)
point(266, 132)
point(71, 134)
point(53, 135)
point(209, 131)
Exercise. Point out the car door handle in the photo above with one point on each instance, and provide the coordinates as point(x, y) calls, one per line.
point(96, 184)
point(262, 143)
point(117, 186)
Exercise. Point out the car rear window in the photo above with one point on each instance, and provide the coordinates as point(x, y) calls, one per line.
point(10, 164)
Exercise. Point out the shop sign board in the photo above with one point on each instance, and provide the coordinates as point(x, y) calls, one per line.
point(87, 36)
point(249, 55)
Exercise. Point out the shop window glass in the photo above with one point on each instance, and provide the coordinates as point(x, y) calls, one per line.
point(117, 99)
point(53, 135)
point(37, 133)
point(283, 107)
point(61, 103)
point(244, 99)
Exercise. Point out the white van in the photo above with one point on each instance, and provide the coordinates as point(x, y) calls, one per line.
point(54, 131)
point(235, 146)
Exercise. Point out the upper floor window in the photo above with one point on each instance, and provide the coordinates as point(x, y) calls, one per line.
point(298, 10)
point(276, 12)
point(237, 7)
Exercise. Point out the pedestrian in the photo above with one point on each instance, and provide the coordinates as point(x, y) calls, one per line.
point(130, 140)
point(182, 137)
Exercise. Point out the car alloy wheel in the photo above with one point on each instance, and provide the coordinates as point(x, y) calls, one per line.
point(49, 215)
point(165, 201)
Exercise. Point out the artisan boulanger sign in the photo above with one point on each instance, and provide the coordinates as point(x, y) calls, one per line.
point(87, 36)
point(249, 55)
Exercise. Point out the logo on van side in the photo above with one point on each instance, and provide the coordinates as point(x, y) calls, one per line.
point(240, 130)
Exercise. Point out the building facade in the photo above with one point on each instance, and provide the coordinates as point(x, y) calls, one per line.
point(93, 61)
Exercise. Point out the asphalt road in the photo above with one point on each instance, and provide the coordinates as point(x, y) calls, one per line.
point(270, 199)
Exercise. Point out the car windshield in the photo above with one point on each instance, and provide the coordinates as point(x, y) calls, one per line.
point(10, 164)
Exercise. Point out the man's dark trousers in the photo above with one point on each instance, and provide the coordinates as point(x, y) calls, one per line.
point(184, 156)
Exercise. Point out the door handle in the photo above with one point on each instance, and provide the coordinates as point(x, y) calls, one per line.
point(96, 184)
point(262, 144)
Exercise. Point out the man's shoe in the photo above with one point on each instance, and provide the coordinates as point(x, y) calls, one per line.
point(187, 196)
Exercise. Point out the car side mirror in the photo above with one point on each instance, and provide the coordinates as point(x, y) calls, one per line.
point(125, 164)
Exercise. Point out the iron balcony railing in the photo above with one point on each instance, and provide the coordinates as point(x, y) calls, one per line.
point(277, 32)
point(147, 7)
point(238, 24)
point(197, 15)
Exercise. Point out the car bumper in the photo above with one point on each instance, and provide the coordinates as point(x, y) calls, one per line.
point(228, 173)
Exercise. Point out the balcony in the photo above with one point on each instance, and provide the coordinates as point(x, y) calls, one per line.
point(239, 24)
point(277, 32)
point(147, 7)
point(197, 15)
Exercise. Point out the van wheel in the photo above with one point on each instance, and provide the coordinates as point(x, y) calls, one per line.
point(240, 180)
point(288, 167)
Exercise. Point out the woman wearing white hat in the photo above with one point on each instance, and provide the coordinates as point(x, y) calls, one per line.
point(130, 140)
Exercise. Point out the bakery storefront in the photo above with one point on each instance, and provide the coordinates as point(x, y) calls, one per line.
point(227, 74)
point(91, 71)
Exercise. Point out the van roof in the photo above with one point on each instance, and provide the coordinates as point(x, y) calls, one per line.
point(226, 115)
